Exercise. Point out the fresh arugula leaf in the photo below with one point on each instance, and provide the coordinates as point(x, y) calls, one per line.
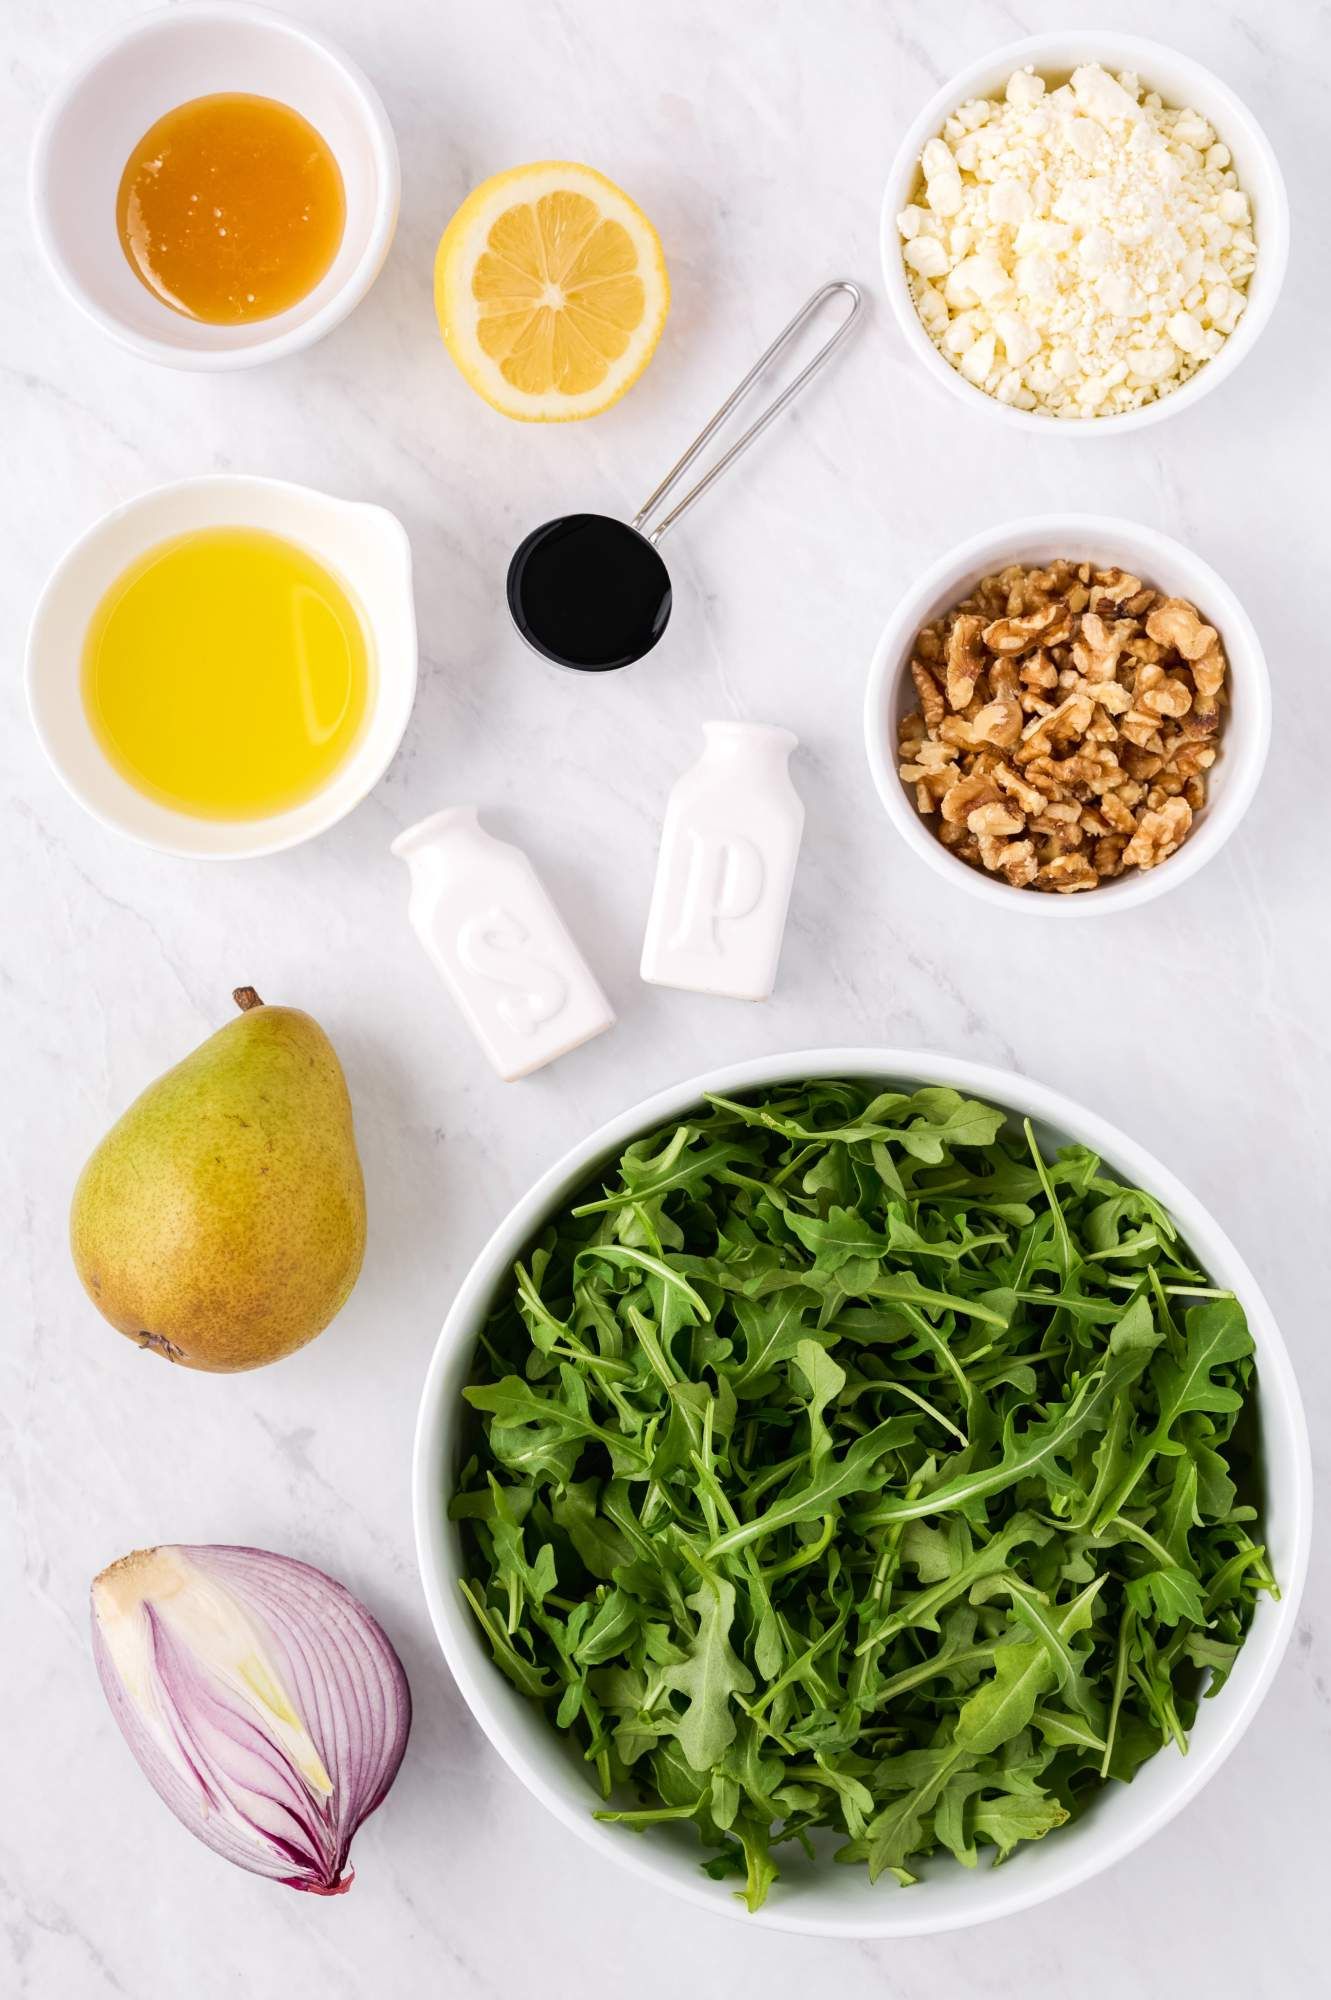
point(1169, 1596)
point(710, 1677)
point(1023, 1672)
point(1007, 1820)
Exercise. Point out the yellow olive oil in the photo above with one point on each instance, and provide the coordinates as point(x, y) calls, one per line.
point(227, 674)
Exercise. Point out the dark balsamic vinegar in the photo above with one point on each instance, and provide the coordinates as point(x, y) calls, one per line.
point(589, 592)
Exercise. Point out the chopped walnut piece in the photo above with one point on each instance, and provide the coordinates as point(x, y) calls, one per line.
point(1067, 718)
point(1068, 872)
point(998, 722)
point(1095, 654)
point(1158, 834)
point(1141, 729)
point(1116, 585)
point(1026, 795)
point(965, 794)
point(963, 843)
point(1208, 670)
point(1139, 760)
point(1168, 697)
point(1042, 772)
point(1193, 758)
point(1178, 624)
point(1038, 670)
point(1056, 816)
point(1048, 626)
point(1072, 718)
point(929, 756)
point(1013, 859)
point(1004, 680)
point(965, 660)
point(955, 729)
point(1208, 678)
point(1111, 696)
point(932, 706)
point(1120, 816)
point(995, 817)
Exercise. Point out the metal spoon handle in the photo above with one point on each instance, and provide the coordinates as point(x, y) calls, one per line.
point(769, 415)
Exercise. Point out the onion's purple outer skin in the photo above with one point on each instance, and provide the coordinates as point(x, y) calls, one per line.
point(344, 1680)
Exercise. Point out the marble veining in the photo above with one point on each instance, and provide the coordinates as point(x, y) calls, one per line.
point(757, 135)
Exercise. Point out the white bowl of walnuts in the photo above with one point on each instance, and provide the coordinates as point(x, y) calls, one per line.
point(1068, 715)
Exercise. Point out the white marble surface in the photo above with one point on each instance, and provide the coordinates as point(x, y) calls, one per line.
point(757, 135)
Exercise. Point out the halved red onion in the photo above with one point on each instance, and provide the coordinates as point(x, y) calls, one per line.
point(263, 1702)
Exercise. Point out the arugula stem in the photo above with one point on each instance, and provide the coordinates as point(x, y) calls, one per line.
point(803, 1557)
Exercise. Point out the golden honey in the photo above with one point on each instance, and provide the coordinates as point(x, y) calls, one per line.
point(231, 208)
point(227, 674)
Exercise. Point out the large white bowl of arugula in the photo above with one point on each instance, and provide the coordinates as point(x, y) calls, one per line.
point(848, 1470)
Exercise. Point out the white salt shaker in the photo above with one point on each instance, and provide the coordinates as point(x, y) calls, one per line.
point(723, 878)
point(499, 944)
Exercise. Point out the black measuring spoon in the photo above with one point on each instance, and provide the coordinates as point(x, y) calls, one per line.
point(592, 593)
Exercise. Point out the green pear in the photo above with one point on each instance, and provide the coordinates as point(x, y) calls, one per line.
point(221, 1222)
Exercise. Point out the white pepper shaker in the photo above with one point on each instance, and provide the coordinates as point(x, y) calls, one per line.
point(723, 877)
point(499, 944)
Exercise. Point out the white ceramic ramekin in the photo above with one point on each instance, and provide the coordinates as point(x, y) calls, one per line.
point(1179, 80)
point(824, 1899)
point(139, 71)
point(1158, 560)
point(367, 549)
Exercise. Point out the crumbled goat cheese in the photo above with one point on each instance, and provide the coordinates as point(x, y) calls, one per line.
point(1079, 251)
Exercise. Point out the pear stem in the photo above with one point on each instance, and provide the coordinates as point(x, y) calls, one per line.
point(246, 999)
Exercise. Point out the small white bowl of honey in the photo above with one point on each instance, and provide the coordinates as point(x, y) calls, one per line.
point(224, 667)
point(215, 185)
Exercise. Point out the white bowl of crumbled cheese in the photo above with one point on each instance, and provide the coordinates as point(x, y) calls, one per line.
point(1089, 228)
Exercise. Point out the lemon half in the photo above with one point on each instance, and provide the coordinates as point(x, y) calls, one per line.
point(551, 291)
